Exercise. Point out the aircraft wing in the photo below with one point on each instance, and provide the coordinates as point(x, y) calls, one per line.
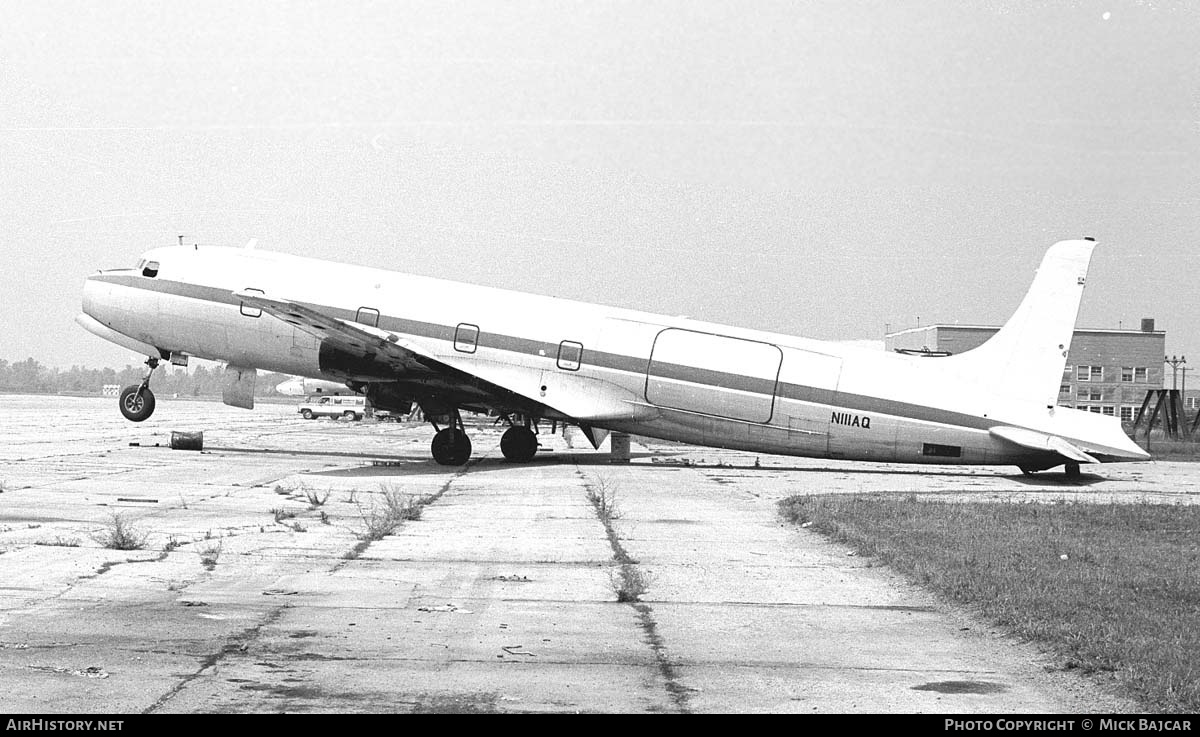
point(575, 398)
point(1041, 441)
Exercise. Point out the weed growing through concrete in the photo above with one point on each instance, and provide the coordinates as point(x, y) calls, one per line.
point(629, 582)
point(603, 497)
point(392, 509)
point(120, 534)
point(60, 542)
point(209, 555)
point(316, 499)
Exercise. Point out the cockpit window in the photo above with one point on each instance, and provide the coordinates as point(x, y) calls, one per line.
point(150, 269)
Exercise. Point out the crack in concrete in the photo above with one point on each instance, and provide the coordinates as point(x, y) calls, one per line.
point(238, 643)
point(630, 591)
point(361, 546)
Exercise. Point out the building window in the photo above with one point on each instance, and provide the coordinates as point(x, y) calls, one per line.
point(1128, 412)
point(1089, 373)
point(1093, 395)
point(1133, 374)
point(1064, 389)
point(1108, 409)
point(1192, 402)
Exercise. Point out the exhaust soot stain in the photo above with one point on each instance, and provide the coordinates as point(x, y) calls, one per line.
point(980, 687)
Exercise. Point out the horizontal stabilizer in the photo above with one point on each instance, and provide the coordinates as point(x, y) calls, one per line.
point(1041, 441)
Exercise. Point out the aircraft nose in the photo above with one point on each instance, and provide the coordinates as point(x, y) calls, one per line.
point(91, 292)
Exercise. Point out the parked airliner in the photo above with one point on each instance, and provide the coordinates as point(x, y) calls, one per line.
point(447, 347)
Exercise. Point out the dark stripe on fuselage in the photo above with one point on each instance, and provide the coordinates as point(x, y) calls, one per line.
point(612, 361)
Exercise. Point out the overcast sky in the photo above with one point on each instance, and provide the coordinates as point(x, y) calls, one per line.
point(825, 169)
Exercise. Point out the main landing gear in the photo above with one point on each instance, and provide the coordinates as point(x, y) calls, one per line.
point(451, 446)
point(518, 444)
point(136, 400)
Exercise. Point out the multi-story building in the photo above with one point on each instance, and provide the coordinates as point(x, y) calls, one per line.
point(1107, 371)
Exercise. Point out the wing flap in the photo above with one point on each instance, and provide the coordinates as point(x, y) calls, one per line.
point(1041, 441)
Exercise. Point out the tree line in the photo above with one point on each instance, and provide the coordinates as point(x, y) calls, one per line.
point(31, 377)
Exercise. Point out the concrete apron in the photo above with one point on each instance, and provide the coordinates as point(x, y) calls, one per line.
point(501, 597)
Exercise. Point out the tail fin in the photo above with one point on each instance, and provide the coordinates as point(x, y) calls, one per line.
point(1025, 359)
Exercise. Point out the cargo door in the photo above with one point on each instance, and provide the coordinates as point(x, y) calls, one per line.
point(713, 374)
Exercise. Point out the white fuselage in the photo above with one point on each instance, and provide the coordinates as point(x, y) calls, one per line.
point(677, 379)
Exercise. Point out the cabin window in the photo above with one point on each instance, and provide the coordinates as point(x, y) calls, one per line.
point(942, 451)
point(367, 316)
point(150, 269)
point(466, 338)
point(570, 355)
point(250, 310)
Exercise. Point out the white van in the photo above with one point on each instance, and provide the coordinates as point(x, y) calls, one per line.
point(350, 407)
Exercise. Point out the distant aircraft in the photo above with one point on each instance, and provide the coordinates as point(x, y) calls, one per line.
point(303, 387)
point(449, 347)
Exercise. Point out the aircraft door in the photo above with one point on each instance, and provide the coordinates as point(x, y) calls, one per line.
point(713, 374)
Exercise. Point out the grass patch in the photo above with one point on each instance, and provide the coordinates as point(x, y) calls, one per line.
point(389, 510)
point(209, 555)
point(120, 534)
point(1112, 588)
point(60, 542)
point(1166, 449)
point(629, 582)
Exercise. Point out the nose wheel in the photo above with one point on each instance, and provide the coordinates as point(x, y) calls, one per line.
point(136, 400)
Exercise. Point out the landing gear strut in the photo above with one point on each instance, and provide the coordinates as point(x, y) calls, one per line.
point(451, 446)
point(137, 401)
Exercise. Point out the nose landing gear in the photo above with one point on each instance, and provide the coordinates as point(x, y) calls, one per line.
point(136, 400)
